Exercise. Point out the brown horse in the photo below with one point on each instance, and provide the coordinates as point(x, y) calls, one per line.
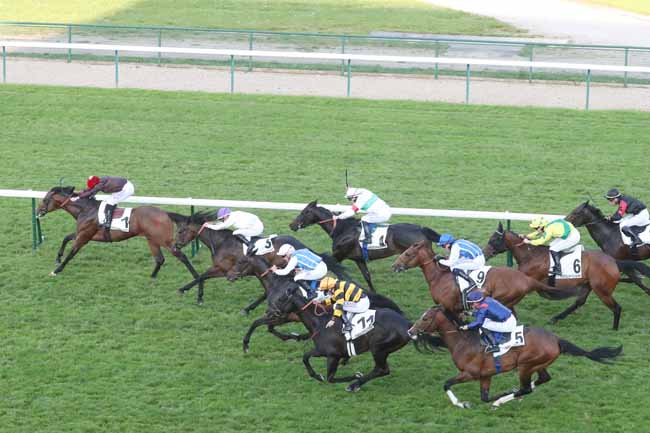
point(509, 286)
point(599, 271)
point(148, 221)
point(541, 349)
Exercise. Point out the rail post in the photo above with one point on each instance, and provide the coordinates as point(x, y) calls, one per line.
point(37, 234)
point(509, 254)
point(588, 86)
point(69, 41)
point(232, 74)
point(159, 45)
point(467, 75)
point(117, 69)
point(4, 65)
point(195, 242)
point(250, 48)
point(349, 76)
point(435, 68)
point(530, 69)
point(342, 52)
point(627, 53)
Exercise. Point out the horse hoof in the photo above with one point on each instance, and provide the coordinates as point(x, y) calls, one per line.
point(358, 375)
point(246, 348)
point(52, 274)
point(320, 378)
point(466, 405)
point(243, 312)
point(199, 302)
point(180, 292)
point(353, 387)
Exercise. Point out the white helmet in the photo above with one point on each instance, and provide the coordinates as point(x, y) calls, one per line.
point(286, 249)
point(352, 192)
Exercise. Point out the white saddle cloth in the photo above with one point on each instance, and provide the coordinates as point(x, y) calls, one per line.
point(644, 236)
point(479, 276)
point(516, 339)
point(262, 245)
point(122, 223)
point(571, 264)
point(378, 240)
point(362, 323)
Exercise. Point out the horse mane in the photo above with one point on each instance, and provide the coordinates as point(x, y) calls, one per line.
point(594, 209)
point(197, 218)
point(65, 190)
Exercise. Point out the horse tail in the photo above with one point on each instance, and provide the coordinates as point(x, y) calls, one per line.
point(553, 293)
point(626, 266)
point(381, 301)
point(603, 355)
point(426, 343)
point(431, 234)
point(334, 266)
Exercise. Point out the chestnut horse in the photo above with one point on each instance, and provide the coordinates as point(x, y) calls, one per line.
point(148, 221)
point(507, 285)
point(599, 271)
point(542, 348)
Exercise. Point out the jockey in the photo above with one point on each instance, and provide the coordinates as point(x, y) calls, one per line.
point(492, 316)
point(346, 297)
point(630, 213)
point(564, 236)
point(309, 266)
point(464, 256)
point(377, 211)
point(119, 188)
point(245, 224)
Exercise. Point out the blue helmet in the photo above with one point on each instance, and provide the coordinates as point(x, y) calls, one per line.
point(445, 239)
point(475, 296)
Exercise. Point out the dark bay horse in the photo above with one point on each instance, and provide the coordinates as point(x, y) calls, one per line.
point(507, 285)
point(226, 250)
point(542, 348)
point(275, 286)
point(599, 271)
point(389, 335)
point(150, 222)
point(345, 236)
point(608, 237)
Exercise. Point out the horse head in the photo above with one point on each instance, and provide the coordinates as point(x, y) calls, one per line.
point(415, 255)
point(496, 244)
point(188, 228)
point(311, 214)
point(435, 319)
point(56, 198)
point(289, 300)
point(585, 214)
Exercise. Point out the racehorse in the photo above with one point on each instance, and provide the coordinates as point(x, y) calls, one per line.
point(608, 237)
point(226, 249)
point(390, 333)
point(507, 285)
point(274, 286)
point(148, 221)
point(541, 349)
point(599, 271)
point(345, 236)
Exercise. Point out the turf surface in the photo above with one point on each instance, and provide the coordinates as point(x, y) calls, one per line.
point(102, 348)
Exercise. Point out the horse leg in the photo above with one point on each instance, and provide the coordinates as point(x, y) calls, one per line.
point(310, 370)
point(210, 273)
point(525, 387)
point(332, 367)
point(157, 255)
point(59, 254)
point(460, 378)
point(635, 279)
point(363, 267)
point(381, 369)
point(610, 302)
point(264, 320)
point(543, 378)
point(253, 305)
point(184, 260)
point(284, 337)
point(583, 293)
point(79, 242)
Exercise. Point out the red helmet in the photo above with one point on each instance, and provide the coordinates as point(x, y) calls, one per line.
point(92, 181)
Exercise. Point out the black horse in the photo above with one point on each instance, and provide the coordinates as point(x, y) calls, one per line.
point(275, 286)
point(390, 333)
point(226, 249)
point(608, 237)
point(345, 236)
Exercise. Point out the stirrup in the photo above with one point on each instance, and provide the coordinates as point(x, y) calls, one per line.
point(492, 348)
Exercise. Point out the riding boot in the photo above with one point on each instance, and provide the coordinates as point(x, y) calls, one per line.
point(557, 269)
point(636, 240)
point(367, 231)
point(246, 242)
point(108, 211)
point(305, 285)
point(489, 338)
point(347, 323)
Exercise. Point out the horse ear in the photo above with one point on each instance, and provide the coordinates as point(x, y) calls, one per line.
point(313, 203)
point(500, 227)
point(68, 189)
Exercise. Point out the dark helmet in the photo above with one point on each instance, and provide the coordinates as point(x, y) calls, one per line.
point(612, 193)
point(475, 296)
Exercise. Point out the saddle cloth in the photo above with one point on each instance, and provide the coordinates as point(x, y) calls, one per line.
point(121, 217)
point(362, 323)
point(644, 236)
point(378, 237)
point(261, 246)
point(571, 264)
point(516, 339)
point(478, 276)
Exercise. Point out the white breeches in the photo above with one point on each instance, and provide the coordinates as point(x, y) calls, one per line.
point(357, 307)
point(249, 232)
point(508, 326)
point(318, 273)
point(377, 214)
point(116, 197)
point(560, 244)
point(640, 219)
point(469, 264)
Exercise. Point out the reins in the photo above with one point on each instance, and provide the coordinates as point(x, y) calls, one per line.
point(332, 220)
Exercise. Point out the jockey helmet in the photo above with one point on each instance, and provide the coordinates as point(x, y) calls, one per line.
point(92, 181)
point(327, 283)
point(538, 222)
point(351, 193)
point(445, 239)
point(223, 212)
point(475, 296)
point(612, 193)
point(285, 249)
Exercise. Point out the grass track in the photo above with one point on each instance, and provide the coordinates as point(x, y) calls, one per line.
point(101, 348)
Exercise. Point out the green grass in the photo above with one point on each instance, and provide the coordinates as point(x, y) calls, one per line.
point(638, 6)
point(101, 348)
point(333, 16)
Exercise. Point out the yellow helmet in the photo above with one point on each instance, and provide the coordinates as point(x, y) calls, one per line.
point(538, 222)
point(327, 283)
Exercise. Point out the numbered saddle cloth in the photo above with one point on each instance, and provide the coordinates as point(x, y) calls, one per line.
point(643, 235)
point(377, 238)
point(262, 246)
point(362, 323)
point(516, 339)
point(571, 264)
point(478, 276)
point(121, 217)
